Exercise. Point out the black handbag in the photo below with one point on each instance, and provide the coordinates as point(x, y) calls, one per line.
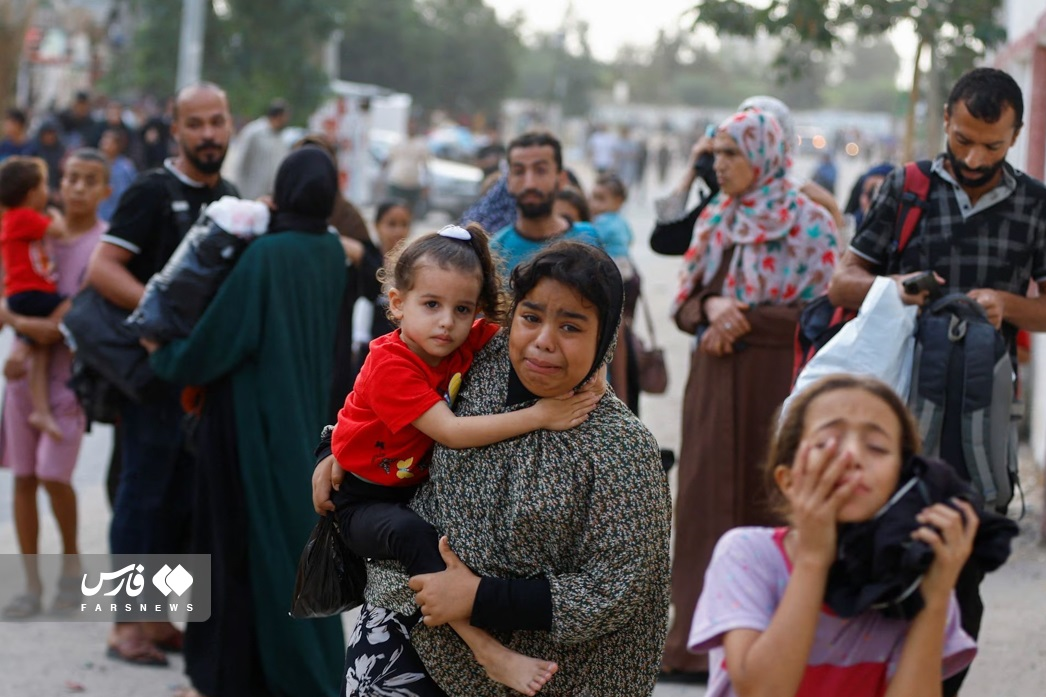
point(331, 578)
point(96, 331)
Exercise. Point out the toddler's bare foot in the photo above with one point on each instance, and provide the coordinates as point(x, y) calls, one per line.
point(46, 424)
point(521, 673)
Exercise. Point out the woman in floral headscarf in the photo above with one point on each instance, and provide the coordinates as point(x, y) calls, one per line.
point(760, 250)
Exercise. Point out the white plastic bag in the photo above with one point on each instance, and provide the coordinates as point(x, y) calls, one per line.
point(879, 342)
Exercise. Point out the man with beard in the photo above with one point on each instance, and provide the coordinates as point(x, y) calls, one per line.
point(535, 174)
point(151, 512)
point(982, 232)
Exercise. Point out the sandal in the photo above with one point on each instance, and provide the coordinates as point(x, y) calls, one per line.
point(137, 652)
point(172, 643)
point(22, 607)
point(68, 597)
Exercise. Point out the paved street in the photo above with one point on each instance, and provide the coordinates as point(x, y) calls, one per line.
point(50, 659)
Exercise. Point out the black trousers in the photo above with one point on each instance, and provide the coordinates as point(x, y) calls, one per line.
point(971, 607)
point(386, 529)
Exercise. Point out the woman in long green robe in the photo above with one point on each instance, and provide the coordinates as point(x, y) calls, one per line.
point(263, 350)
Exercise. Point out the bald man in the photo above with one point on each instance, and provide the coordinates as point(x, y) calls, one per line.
point(151, 510)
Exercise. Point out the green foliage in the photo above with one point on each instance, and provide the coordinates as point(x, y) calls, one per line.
point(960, 29)
point(548, 71)
point(255, 53)
point(449, 54)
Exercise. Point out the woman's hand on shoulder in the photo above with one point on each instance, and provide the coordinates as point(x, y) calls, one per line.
point(950, 532)
point(448, 595)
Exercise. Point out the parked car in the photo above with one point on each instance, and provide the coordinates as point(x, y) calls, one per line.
point(452, 187)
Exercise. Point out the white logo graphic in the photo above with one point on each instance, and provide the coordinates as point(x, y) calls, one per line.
point(134, 587)
point(177, 580)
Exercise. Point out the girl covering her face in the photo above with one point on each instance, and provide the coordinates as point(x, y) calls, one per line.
point(837, 458)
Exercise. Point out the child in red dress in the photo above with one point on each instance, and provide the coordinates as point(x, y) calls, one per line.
point(29, 281)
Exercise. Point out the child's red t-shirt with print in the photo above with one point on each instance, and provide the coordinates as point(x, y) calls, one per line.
point(27, 263)
point(374, 438)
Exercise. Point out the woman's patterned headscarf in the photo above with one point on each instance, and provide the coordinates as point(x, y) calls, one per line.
point(785, 245)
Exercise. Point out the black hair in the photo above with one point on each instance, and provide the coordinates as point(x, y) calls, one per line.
point(538, 139)
point(471, 256)
point(317, 140)
point(277, 107)
point(985, 92)
point(118, 133)
point(572, 179)
point(583, 267)
point(576, 199)
point(93, 156)
point(18, 176)
point(17, 115)
point(613, 184)
point(387, 205)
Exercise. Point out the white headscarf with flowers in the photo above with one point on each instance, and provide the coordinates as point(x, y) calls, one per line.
point(785, 245)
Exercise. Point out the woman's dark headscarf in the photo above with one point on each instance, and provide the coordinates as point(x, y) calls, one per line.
point(306, 185)
point(592, 273)
point(853, 204)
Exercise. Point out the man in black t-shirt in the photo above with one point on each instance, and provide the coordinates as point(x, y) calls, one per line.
point(151, 512)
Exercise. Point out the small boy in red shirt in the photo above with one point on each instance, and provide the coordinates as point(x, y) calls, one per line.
point(29, 281)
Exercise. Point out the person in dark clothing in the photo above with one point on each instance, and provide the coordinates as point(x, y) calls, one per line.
point(154, 142)
point(151, 513)
point(48, 146)
point(79, 127)
point(262, 349)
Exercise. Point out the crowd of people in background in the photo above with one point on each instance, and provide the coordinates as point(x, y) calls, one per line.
point(556, 561)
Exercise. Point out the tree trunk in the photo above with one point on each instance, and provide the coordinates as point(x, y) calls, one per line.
point(908, 153)
point(14, 20)
point(934, 106)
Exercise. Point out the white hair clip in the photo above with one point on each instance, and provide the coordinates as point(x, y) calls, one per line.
point(456, 232)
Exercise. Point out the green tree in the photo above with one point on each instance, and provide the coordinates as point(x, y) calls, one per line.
point(254, 54)
point(954, 32)
point(869, 70)
point(559, 67)
point(449, 54)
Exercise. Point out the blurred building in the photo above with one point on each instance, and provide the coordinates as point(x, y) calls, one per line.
point(1024, 57)
point(64, 50)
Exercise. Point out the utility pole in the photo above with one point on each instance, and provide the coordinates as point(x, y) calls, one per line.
point(190, 46)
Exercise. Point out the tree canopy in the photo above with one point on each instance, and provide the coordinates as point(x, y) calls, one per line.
point(955, 32)
point(255, 54)
point(449, 54)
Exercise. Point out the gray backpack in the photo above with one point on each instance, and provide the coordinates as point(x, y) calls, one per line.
point(962, 395)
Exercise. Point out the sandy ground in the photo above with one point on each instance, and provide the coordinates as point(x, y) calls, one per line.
point(53, 658)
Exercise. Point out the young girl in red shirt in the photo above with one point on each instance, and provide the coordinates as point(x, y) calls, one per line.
point(29, 281)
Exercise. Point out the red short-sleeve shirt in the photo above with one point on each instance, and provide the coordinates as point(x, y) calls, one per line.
point(374, 438)
point(27, 264)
